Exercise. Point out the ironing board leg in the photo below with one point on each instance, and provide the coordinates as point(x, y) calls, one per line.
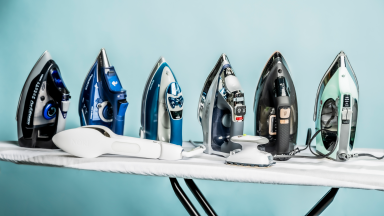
point(183, 198)
point(200, 197)
point(323, 203)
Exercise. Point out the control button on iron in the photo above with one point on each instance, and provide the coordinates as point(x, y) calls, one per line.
point(285, 112)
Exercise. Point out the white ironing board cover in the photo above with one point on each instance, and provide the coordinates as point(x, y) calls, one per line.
point(362, 173)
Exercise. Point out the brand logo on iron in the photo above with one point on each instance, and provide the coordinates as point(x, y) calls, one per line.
point(30, 111)
point(114, 83)
point(33, 98)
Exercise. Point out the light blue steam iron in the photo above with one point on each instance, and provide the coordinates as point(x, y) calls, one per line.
point(103, 99)
point(162, 106)
point(336, 110)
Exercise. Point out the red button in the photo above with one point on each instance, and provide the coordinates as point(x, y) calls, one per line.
point(239, 118)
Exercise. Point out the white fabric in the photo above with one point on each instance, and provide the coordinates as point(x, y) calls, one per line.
point(363, 173)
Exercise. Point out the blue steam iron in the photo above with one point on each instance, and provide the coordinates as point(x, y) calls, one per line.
point(162, 106)
point(43, 105)
point(103, 99)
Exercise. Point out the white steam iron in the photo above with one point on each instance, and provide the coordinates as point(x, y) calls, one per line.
point(95, 140)
point(250, 155)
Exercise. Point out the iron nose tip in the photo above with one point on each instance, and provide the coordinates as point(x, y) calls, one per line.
point(45, 53)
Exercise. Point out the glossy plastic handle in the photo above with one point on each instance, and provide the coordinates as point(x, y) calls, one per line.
point(283, 131)
point(177, 132)
point(118, 123)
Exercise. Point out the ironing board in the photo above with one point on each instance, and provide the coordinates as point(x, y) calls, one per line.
point(360, 173)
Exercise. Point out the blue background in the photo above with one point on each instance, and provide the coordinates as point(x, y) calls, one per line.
point(190, 35)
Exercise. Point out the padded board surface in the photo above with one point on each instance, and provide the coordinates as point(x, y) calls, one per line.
point(362, 173)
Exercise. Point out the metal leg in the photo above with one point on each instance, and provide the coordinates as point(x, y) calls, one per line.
point(323, 203)
point(183, 198)
point(200, 197)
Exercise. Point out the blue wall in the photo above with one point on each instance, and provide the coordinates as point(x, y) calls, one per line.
point(191, 35)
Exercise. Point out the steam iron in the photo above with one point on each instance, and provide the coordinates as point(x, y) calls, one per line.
point(162, 106)
point(250, 155)
point(336, 108)
point(221, 109)
point(275, 107)
point(102, 98)
point(43, 105)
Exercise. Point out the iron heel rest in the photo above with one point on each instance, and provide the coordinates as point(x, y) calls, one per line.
point(275, 107)
point(221, 109)
point(336, 108)
point(162, 106)
point(250, 155)
point(102, 98)
point(43, 105)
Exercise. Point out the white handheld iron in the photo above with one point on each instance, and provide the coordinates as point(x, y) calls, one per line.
point(250, 155)
point(95, 140)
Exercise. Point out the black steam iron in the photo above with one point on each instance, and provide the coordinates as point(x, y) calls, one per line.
point(275, 107)
point(43, 105)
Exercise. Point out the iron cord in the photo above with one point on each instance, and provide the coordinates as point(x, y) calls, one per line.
point(369, 155)
point(308, 144)
point(320, 155)
point(334, 114)
point(196, 143)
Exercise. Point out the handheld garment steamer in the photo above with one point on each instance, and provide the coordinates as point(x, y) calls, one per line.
point(95, 140)
point(102, 98)
point(43, 105)
point(162, 106)
point(275, 107)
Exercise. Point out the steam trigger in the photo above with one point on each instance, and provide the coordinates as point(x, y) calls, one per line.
point(123, 107)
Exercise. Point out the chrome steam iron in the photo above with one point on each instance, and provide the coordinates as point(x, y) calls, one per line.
point(43, 105)
point(336, 108)
point(221, 109)
point(102, 98)
point(162, 106)
point(275, 107)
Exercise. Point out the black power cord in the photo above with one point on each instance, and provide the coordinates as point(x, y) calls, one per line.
point(320, 155)
point(308, 144)
point(369, 155)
